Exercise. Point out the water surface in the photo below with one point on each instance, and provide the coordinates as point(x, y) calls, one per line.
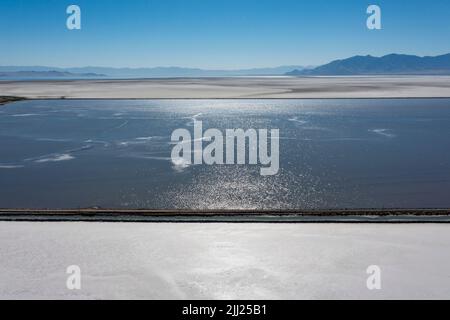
point(333, 154)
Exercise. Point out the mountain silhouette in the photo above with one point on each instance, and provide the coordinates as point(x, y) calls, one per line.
point(395, 64)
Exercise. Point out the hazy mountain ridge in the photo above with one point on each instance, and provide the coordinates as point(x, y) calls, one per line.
point(157, 72)
point(392, 64)
point(46, 74)
point(395, 64)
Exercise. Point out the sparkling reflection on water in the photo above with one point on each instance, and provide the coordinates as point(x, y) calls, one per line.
point(334, 154)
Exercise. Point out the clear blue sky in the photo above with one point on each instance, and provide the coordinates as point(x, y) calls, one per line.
point(216, 33)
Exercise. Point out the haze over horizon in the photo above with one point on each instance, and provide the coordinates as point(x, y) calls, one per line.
point(224, 35)
point(392, 64)
point(275, 66)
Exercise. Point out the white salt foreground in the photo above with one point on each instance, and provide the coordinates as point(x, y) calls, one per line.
point(223, 261)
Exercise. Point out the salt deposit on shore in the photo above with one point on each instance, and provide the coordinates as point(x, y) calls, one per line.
point(242, 87)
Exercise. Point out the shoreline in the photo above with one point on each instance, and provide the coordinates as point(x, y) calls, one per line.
point(17, 99)
point(374, 87)
point(229, 216)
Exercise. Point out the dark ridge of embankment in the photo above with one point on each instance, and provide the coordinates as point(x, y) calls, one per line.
point(231, 216)
point(7, 99)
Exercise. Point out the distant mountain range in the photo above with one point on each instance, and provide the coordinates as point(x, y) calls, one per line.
point(392, 64)
point(47, 74)
point(158, 72)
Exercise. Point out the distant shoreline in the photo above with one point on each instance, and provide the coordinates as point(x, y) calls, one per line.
point(376, 87)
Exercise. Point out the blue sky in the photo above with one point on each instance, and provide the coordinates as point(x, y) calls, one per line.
point(216, 33)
